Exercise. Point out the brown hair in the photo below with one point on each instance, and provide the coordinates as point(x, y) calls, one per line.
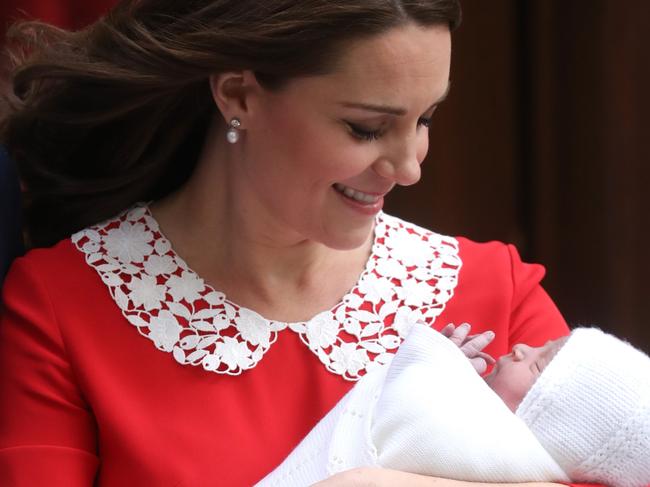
point(117, 113)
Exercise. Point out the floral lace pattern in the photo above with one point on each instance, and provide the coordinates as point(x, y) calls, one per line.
point(409, 277)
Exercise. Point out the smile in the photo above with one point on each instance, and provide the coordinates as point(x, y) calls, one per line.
point(356, 195)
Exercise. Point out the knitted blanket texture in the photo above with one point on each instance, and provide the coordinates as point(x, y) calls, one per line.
point(427, 412)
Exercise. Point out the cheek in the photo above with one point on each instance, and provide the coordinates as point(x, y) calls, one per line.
point(511, 385)
point(287, 132)
point(303, 145)
point(518, 389)
point(300, 146)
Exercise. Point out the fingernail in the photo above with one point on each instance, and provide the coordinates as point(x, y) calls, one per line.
point(464, 325)
point(490, 334)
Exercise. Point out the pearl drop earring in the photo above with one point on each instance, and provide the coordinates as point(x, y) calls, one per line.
point(233, 132)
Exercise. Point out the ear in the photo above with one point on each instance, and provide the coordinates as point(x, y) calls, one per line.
point(232, 93)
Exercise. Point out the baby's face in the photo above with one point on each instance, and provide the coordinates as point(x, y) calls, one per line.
point(514, 374)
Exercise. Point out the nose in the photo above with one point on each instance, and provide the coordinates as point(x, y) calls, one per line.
point(402, 164)
point(520, 350)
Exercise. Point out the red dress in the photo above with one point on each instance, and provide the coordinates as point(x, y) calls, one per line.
point(96, 361)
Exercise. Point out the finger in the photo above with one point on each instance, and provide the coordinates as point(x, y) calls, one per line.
point(448, 330)
point(487, 357)
point(469, 337)
point(472, 347)
point(479, 364)
point(460, 334)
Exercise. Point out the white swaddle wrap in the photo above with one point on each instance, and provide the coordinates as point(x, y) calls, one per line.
point(428, 412)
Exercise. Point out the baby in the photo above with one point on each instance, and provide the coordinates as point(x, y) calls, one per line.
point(586, 398)
point(581, 409)
point(515, 374)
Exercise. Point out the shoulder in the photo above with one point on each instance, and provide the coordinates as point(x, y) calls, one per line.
point(498, 262)
point(61, 273)
point(495, 254)
point(493, 289)
point(67, 262)
point(48, 275)
point(487, 256)
point(491, 267)
point(56, 261)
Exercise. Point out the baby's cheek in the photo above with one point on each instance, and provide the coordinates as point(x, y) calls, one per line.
point(521, 389)
point(509, 387)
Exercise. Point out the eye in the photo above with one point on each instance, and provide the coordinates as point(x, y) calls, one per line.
point(425, 122)
point(362, 133)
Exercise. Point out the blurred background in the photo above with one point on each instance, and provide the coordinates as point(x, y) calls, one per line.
point(544, 142)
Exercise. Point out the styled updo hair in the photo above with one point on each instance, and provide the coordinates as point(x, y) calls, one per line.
point(118, 112)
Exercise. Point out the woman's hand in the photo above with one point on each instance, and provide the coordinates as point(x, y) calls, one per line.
point(357, 477)
point(471, 345)
point(377, 477)
point(384, 477)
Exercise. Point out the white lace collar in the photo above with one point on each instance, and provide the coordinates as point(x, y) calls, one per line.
point(409, 277)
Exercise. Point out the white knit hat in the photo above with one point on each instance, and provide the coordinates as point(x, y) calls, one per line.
point(590, 409)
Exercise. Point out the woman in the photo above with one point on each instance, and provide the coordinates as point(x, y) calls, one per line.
point(195, 339)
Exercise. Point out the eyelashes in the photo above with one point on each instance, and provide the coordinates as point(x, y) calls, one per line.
point(425, 122)
point(361, 133)
point(369, 135)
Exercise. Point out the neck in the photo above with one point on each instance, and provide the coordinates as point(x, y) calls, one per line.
point(232, 240)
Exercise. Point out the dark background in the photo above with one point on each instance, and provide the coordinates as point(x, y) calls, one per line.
point(543, 142)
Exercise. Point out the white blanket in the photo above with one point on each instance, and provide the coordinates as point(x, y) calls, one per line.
point(428, 412)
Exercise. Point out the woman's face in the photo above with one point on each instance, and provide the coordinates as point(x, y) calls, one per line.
point(514, 374)
point(322, 153)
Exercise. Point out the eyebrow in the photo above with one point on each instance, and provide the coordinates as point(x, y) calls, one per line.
point(393, 110)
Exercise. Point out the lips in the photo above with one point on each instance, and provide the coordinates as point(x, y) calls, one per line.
point(363, 197)
point(356, 195)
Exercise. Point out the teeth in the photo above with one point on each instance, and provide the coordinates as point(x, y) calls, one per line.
point(356, 195)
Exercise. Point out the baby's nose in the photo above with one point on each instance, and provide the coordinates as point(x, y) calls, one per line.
point(520, 350)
